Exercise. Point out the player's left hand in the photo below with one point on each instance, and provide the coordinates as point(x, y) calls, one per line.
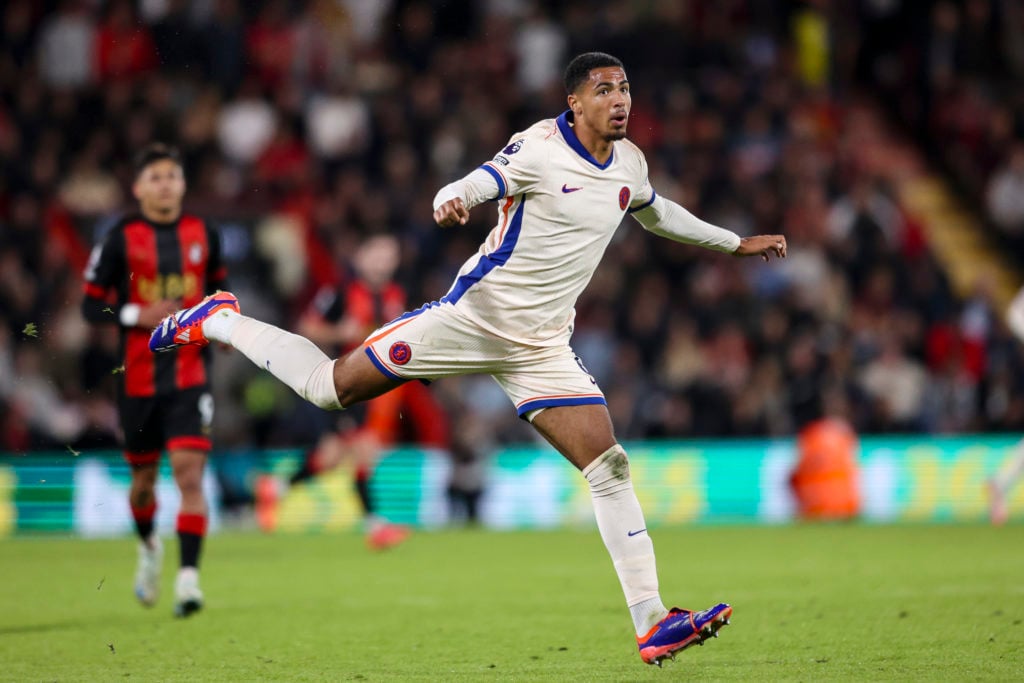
point(765, 245)
point(452, 212)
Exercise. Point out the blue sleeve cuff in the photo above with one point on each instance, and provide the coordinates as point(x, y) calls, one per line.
point(497, 178)
point(634, 209)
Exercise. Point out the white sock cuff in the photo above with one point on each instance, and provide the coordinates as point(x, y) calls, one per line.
point(220, 325)
point(320, 389)
point(609, 473)
point(600, 460)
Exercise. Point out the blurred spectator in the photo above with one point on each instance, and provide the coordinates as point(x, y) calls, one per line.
point(541, 46)
point(246, 125)
point(223, 43)
point(338, 123)
point(66, 43)
point(124, 46)
point(897, 385)
point(270, 43)
point(1005, 197)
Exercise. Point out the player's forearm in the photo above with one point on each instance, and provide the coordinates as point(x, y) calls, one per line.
point(667, 219)
point(476, 188)
point(1015, 315)
point(98, 311)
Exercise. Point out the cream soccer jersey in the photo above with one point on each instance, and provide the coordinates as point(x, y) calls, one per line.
point(557, 211)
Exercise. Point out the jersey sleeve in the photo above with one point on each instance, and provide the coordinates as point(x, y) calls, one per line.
point(517, 167)
point(105, 269)
point(645, 195)
point(103, 276)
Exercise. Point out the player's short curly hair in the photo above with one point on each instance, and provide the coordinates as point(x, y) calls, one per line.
point(580, 67)
point(155, 151)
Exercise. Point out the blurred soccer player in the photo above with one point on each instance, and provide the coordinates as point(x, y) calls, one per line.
point(148, 265)
point(563, 187)
point(340, 318)
point(1012, 468)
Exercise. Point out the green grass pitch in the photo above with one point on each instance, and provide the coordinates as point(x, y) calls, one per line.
point(812, 603)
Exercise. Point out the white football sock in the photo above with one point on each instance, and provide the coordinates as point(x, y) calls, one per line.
point(220, 325)
point(621, 523)
point(1010, 471)
point(294, 360)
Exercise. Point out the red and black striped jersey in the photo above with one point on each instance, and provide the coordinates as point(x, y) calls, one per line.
point(141, 262)
point(370, 307)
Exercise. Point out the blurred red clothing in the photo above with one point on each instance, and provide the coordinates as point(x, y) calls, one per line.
point(825, 479)
point(124, 51)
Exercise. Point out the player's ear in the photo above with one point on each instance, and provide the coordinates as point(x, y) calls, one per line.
point(136, 192)
point(574, 104)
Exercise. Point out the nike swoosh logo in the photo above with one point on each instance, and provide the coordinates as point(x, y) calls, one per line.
point(566, 189)
point(634, 533)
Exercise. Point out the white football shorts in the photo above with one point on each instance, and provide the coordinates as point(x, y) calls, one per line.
point(437, 341)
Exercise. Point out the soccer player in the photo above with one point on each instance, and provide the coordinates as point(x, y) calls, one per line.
point(149, 264)
point(1010, 472)
point(340, 318)
point(562, 187)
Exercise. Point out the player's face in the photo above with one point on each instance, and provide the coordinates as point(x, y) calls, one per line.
point(377, 259)
point(160, 188)
point(604, 101)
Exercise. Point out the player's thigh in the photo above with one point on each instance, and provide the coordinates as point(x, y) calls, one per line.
point(435, 341)
point(538, 378)
point(581, 432)
point(553, 390)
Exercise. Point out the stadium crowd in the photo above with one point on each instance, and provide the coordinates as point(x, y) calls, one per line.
point(306, 126)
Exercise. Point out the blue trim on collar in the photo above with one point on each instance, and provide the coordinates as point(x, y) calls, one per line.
point(574, 142)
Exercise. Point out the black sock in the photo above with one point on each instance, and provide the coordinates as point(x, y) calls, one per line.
point(189, 545)
point(362, 484)
point(144, 528)
point(472, 506)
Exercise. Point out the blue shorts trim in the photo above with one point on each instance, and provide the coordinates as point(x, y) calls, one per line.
point(380, 366)
point(563, 401)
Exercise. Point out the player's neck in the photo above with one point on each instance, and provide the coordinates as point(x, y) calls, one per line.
point(157, 216)
point(599, 147)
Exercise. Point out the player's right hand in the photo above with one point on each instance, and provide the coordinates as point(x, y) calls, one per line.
point(151, 315)
point(452, 212)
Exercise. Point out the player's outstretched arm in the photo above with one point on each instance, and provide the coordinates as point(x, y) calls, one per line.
point(451, 212)
point(1015, 315)
point(765, 245)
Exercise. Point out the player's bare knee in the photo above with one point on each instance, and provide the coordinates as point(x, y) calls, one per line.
point(143, 475)
point(189, 479)
point(188, 473)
